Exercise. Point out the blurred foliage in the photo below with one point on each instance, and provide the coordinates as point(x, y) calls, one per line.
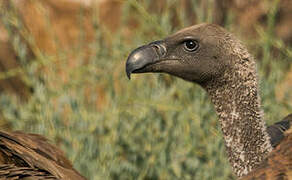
point(152, 127)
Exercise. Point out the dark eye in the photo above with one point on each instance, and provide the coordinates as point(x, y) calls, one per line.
point(191, 45)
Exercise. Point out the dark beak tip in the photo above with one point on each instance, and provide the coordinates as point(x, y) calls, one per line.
point(129, 69)
point(129, 75)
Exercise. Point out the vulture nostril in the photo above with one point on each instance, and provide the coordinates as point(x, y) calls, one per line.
point(159, 47)
point(156, 47)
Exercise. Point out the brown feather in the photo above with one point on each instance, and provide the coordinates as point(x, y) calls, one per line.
point(32, 156)
point(278, 165)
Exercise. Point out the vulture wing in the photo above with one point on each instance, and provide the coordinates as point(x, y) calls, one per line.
point(278, 165)
point(277, 130)
point(31, 155)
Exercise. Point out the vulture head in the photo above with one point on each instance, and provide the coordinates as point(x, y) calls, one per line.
point(210, 56)
point(198, 53)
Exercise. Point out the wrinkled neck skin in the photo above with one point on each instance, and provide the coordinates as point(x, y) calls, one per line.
point(237, 104)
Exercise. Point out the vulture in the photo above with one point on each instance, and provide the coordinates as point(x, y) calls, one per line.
point(31, 156)
point(208, 55)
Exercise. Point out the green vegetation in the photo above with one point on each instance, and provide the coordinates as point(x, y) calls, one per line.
point(152, 127)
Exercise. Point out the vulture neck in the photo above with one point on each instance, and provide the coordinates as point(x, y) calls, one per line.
point(237, 104)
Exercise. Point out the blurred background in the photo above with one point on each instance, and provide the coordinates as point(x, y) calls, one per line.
point(62, 75)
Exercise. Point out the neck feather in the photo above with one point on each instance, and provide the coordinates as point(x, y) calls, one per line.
point(237, 104)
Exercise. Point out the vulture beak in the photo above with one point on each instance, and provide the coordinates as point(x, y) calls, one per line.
point(140, 58)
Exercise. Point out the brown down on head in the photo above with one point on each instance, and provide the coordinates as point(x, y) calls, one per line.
point(210, 56)
point(31, 156)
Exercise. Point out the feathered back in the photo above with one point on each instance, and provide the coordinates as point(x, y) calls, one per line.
point(278, 165)
point(277, 130)
point(31, 155)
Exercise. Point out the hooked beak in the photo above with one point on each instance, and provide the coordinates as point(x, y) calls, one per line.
point(141, 58)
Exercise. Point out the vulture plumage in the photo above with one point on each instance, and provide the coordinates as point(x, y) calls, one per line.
point(210, 56)
point(31, 156)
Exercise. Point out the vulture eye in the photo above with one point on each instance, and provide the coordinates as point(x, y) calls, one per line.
point(191, 45)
